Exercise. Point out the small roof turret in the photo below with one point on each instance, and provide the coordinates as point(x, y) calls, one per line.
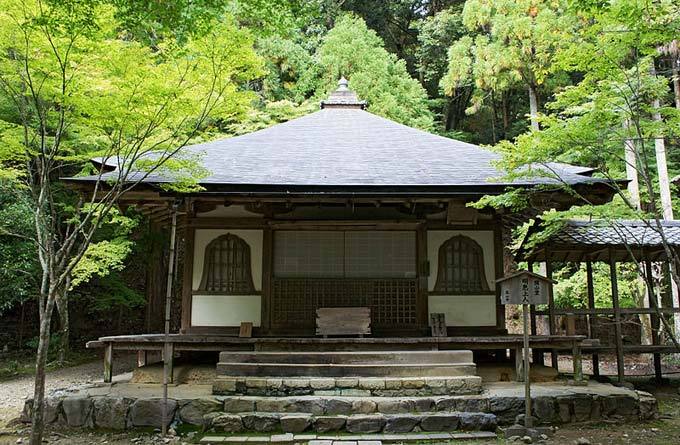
point(343, 97)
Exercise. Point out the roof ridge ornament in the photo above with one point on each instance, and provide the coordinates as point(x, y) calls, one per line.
point(343, 97)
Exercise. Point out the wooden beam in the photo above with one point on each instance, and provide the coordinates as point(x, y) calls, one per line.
point(551, 308)
point(267, 273)
point(187, 277)
point(617, 320)
point(422, 270)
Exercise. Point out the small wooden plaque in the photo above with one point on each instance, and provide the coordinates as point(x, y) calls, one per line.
point(246, 330)
point(343, 321)
point(438, 325)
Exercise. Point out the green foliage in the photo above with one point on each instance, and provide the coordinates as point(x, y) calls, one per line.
point(571, 288)
point(350, 49)
point(18, 263)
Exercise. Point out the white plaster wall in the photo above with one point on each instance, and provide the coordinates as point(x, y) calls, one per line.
point(463, 310)
point(226, 310)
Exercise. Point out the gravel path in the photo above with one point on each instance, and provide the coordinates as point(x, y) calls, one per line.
point(13, 393)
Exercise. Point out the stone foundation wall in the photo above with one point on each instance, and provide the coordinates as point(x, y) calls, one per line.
point(348, 386)
point(352, 414)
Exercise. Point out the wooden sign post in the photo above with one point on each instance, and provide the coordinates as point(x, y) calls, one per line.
point(525, 288)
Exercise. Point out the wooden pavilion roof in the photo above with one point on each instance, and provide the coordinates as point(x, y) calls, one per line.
point(601, 240)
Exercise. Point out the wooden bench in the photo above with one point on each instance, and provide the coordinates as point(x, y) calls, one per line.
point(343, 321)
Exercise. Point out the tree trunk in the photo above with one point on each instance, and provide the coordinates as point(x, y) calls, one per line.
point(37, 420)
point(533, 107)
point(631, 167)
point(675, 70)
point(64, 326)
point(665, 194)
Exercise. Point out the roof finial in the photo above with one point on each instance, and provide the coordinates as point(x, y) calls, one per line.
point(343, 97)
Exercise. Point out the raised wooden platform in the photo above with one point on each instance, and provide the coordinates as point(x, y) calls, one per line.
point(219, 343)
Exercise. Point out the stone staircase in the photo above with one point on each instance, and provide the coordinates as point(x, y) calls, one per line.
point(360, 373)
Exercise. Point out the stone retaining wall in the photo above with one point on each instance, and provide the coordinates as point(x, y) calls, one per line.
point(322, 414)
point(348, 386)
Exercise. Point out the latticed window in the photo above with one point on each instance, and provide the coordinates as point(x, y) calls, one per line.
point(226, 268)
point(461, 267)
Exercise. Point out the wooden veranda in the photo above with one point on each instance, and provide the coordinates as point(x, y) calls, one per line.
point(610, 242)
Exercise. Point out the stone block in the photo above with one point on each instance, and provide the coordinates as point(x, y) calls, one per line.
point(355, 392)
point(311, 405)
point(325, 424)
point(544, 408)
point(435, 383)
point(274, 383)
point(193, 411)
point(412, 383)
point(77, 410)
point(239, 405)
point(296, 423)
point(477, 422)
point(271, 405)
point(338, 406)
point(582, 406)
point(506, 408)
point(256, 382)
point(346, 382)
point(648, 406)
point(260, 422)
point(224, 385)
point(363, 406)
point(227, 423)
point(322, 383)
point(372, 384)
point(111, 412)
point(51, 414)
point(401, 423)
point(149, 412)
point(440, 422)
point(296, 383)
point(564, 409)
point(425, 405)
point(365, 424)
point(392, 383)
point(395, 406)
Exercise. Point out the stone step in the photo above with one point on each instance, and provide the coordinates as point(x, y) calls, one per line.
point(338, 439)
point(328, 405)
point(348, 386)
point(359, 357)
point(422, 369)
point(264, 422)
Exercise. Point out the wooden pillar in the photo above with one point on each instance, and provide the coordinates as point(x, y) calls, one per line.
point(187, 277)
point(591, 305)
point(551, 309)
point(422, 268)
point(537, 354)
point(267, 267)
point(656, 322)
point(617, 318)
point(108, 362)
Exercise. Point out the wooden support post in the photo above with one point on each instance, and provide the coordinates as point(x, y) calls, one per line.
point(519, 363)
point(168, 346)
point(655, 320)
point(527, 368)
point(168, 360)
point(141, 358)
point(591, 305)
point(578, 363)
point(536, 353)
point(551, 311)
point(617, 319)
point(108, 362)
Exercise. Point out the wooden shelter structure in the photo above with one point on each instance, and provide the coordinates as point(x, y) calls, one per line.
point(640, 241)
point(343, 208)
